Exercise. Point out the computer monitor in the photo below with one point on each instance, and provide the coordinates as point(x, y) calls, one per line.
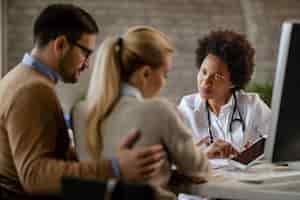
point(283, 143)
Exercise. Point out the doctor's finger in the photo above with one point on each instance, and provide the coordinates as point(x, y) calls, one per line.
point(202, 141)
point(232, 151)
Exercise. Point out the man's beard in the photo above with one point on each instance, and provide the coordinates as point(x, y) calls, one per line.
point(64, 71)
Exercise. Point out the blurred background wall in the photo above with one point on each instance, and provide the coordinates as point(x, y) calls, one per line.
point(183, 20)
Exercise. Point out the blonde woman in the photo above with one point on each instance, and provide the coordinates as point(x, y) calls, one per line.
point(129, 70)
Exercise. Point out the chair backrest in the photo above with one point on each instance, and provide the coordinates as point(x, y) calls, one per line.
point(77, 188)
point(78, 123)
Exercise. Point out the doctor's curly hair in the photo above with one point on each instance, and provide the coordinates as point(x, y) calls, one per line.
point(234, 49)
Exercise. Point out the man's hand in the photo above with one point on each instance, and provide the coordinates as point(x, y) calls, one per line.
point(220, 149)
point(141, 162)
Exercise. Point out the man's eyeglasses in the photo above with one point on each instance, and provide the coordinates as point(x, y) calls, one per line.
point(86, 50)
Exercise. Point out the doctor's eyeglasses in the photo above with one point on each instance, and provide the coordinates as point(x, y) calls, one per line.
point(213, 78)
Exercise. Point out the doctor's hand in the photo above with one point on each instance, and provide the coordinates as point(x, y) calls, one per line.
point(203, 141)
point(139, 163)
point(220, 149)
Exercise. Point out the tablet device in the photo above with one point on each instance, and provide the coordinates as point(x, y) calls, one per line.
point(247, 157)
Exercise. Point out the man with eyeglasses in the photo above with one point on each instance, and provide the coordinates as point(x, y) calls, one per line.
point(35, 148)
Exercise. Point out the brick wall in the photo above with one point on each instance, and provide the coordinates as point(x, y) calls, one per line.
point(183, 20)
point(263, 26)
point(3, 42)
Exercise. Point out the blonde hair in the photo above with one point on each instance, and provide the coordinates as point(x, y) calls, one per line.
point(116, 60)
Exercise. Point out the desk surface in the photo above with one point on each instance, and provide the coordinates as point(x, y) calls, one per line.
point(261, 182)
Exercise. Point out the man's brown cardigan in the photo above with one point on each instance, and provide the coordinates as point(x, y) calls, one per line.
point(34, 143)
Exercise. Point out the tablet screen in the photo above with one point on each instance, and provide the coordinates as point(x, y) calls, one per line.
point(253, 152)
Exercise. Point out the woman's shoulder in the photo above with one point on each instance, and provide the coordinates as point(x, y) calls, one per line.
point(157, 107)
point(158, 103)
point(250, 98)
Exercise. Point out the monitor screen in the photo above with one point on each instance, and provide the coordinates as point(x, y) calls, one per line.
point(283, 143)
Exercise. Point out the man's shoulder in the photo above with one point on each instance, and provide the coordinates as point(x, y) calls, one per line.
point(19, 83)
point(21, 77)
point(36, 91)
point(33, 90)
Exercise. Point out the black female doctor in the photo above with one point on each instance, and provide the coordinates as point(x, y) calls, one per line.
point(224, 119)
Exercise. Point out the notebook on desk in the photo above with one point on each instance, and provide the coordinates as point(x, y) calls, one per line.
point(249, 156)
point(245, 159)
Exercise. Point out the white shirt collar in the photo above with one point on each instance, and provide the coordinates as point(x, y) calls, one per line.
point(199, 102)
point(129, 90)
point(229, 103)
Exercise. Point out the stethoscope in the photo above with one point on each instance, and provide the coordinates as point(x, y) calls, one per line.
point(232, 120)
